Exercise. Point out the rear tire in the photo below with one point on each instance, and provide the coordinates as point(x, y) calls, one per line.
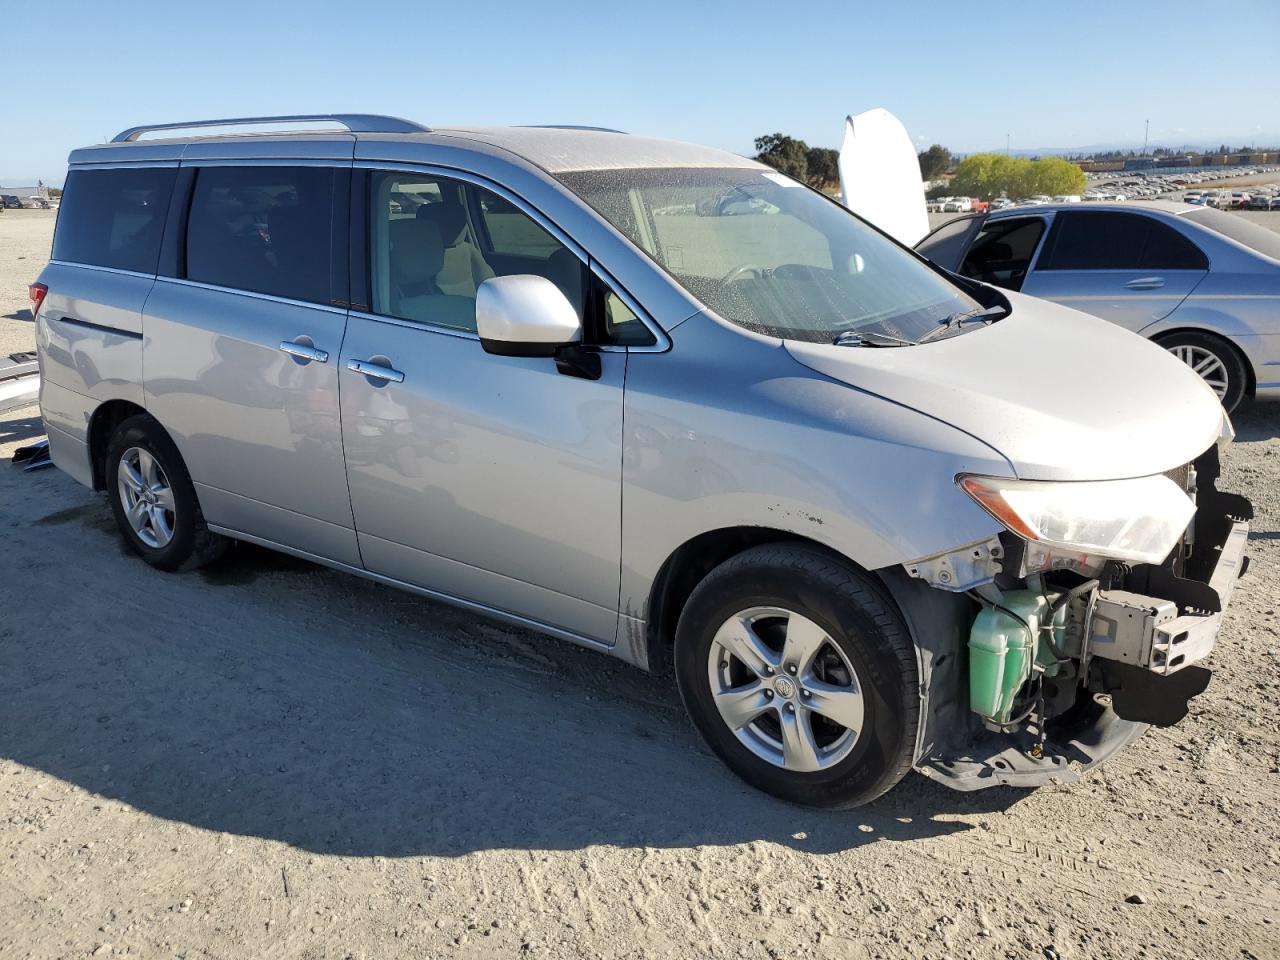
point(154, 500)
point(799, 673)
point(1217, 361)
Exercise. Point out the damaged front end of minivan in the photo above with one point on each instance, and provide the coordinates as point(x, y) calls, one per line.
point(1047, 648)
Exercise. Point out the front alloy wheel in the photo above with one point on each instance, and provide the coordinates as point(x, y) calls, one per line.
point(799, 672)
point(787, 692)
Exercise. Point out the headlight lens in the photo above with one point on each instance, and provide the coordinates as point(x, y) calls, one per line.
point(1138, 520)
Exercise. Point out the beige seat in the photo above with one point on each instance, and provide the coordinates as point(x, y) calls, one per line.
point(417, 258)
point(464, 267)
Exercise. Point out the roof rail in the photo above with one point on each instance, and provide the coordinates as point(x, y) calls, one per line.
point(355, 122)
point(570, 126)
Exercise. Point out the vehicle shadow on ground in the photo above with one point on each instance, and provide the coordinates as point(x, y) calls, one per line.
point(19, 315)
point(1258, 421)
point(25, 428)
point(273, 698)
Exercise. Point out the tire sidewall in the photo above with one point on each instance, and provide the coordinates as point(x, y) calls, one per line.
point(138, 432)
point(874, 764)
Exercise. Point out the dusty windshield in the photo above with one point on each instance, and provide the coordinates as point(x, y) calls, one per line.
point(771, 255)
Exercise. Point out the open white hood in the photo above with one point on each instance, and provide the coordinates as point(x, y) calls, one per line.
point(880, 175)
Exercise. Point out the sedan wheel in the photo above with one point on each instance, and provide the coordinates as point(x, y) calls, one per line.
point(1210, 367)
point(1214, 360)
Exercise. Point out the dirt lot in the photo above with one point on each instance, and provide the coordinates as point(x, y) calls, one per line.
point(271, 760)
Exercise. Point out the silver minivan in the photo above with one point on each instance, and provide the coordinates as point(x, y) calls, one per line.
point(661, 401)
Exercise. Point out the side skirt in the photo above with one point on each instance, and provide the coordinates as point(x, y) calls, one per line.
point(491, 612)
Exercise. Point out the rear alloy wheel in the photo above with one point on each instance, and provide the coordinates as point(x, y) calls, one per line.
point(1215, 361)
point(154, 500)
point(799, 673)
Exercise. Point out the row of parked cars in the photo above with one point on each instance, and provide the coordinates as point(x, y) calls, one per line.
point(11, 201)
point(1266, 197)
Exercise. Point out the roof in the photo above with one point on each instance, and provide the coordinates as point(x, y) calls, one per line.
point(561, 149)
point(556, 149)
point(1171, 207)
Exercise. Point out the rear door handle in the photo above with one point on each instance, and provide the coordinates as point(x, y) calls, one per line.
point(1145, 283)
point(375, 371)
point(304, 351)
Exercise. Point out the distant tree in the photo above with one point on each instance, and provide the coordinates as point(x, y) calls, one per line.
point(821, 167)
point(987, 175)
point(934, 162)
point(785, 154)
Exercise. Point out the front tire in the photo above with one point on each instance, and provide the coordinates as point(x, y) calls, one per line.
point(799, 673)
point(154, 500)
point(1215, 360)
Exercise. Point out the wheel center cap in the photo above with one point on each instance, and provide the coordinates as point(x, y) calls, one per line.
point(784, 687)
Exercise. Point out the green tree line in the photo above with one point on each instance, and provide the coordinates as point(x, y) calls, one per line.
point(987, 175)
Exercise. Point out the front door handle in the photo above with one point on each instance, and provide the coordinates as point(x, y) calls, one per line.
point(1145, 283)
point(375, 371)
point(303, 351)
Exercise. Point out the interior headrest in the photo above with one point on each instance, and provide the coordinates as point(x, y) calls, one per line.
point(448, 215)
point(417, 252)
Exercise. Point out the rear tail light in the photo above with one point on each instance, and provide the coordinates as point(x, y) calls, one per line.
point(36, 292)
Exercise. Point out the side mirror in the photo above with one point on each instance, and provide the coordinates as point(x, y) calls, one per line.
point(524, 316)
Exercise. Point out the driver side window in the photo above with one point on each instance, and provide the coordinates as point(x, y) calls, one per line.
point(1001, 253)
point(431, 249)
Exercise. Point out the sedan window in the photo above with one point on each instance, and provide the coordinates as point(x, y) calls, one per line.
point(1117, 241)
point(1001, 253)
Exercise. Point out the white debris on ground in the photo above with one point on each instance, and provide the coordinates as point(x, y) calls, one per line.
point(273, 760)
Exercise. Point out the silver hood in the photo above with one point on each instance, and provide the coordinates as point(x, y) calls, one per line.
point(1060, 394)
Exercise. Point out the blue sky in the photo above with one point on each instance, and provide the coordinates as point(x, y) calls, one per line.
point(962, 74)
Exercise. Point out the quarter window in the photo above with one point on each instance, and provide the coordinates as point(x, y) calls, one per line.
point(1117, 241)
point(263, 229)
point(114, 218)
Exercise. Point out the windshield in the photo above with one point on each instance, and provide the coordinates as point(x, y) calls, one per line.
point(770, 254)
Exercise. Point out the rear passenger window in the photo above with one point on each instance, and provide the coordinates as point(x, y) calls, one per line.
point(114, 218)
point(1117, 241)
point(262, 229)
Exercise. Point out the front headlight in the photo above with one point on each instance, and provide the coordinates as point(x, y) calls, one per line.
point(1138, 520)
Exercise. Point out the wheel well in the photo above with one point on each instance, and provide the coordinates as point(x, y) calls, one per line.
point(1251, 382)
point(687, 567)
point(101, 426)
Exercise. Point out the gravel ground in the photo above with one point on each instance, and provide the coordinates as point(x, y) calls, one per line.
point(272, 760)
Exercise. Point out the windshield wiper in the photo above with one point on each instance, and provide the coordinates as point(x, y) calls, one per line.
point(869, 338)
point(957, 320)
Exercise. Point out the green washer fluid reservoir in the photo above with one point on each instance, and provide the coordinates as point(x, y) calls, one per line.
point(1002, 651)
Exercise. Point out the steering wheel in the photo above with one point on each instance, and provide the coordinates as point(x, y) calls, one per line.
point(740, 271)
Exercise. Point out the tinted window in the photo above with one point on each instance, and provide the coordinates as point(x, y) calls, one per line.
point(114, 218)
point(1117, 241)
point(264, 229)
point(429, 250)
point(1001, 252)
point(945, 244)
